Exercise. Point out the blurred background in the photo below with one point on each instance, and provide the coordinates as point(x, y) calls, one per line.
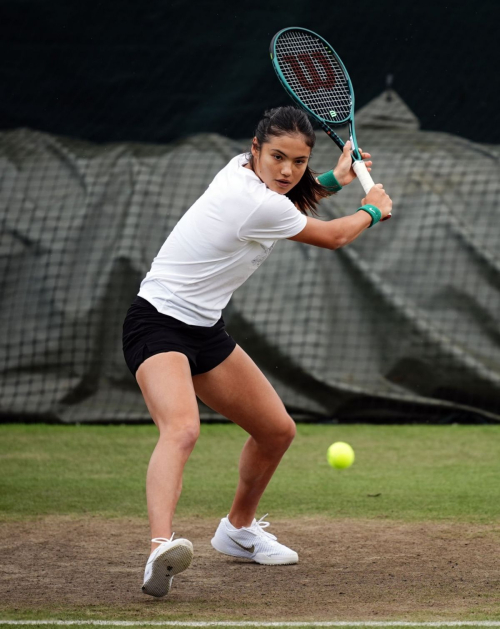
point(115, 117)
point(120, 71)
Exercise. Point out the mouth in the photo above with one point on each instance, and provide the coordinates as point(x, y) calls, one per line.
point(283, 183)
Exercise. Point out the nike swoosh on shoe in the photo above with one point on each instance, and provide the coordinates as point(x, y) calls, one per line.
point(250, 550)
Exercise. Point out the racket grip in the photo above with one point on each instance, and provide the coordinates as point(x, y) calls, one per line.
point(365, 179)
point(363, 175)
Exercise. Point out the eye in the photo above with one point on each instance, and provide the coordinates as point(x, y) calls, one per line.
point(278, 157)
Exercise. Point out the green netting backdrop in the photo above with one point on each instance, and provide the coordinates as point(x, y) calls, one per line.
point(401, 325)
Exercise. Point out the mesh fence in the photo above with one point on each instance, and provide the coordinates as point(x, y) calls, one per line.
point(403, 324)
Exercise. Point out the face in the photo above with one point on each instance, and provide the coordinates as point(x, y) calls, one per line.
point(281, 162)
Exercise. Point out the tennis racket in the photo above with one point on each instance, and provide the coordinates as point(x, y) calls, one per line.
point(314, 76)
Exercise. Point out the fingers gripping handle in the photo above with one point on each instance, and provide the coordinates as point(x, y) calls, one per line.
point(363, 175)
point(365, 178)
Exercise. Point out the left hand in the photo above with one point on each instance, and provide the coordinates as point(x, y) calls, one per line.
point(343, 171)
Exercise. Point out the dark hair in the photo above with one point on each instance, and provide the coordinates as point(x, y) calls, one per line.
point(288, 121)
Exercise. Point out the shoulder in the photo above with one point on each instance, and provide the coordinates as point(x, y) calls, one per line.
point(235, 183)
point(235, 168)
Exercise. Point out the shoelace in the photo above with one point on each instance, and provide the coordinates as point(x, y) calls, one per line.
point(158, 540)
point(162, 540)
point(259, 526)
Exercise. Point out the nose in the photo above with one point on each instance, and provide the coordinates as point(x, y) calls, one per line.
point(286, 170)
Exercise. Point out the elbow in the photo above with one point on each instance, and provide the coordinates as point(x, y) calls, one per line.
point(338, 243)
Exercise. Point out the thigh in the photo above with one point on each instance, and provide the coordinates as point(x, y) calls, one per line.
point(238, 390)
point(167, 386)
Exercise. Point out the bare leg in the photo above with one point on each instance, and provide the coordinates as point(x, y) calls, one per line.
point(239, 390)
point(166, 384)
point(257, 466)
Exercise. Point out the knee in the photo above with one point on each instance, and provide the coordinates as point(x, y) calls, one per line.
point(183, 434)
point(185, 439)
point(283, 436)
point(290, 431)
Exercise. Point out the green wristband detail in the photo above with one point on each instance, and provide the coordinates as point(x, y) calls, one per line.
point(373, 211)
point(328, 180)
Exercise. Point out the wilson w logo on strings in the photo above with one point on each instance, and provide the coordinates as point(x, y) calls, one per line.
point(313, 81)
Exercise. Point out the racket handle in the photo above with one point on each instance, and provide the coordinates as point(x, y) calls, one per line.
point(365, 179)
point(363, 175)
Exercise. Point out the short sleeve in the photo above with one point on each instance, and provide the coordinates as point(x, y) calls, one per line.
point(275, 218)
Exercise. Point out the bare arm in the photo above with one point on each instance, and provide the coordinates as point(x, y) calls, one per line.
point(333, 234)
point(341, 231)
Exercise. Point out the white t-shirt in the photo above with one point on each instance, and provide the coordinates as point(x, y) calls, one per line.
point(219, 242)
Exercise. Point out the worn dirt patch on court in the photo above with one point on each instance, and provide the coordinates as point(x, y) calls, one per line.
point(348, 570)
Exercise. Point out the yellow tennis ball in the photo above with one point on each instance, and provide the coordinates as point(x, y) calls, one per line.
point(340, 455)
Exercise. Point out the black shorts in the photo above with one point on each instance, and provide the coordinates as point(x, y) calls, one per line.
point(147, 332)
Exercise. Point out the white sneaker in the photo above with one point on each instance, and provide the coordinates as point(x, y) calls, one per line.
point(252, 543)
point(167, 560)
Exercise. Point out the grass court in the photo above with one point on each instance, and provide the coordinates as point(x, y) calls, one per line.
point(409, 534)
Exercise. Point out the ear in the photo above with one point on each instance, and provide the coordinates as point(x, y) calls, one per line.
point(255, 147)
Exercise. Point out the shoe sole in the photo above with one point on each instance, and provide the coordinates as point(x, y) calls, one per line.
point(263, 560)
point(166, 565)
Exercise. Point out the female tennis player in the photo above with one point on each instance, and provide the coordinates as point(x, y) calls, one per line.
point(176, 345)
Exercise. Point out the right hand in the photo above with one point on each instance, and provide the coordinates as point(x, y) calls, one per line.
point(378, 197)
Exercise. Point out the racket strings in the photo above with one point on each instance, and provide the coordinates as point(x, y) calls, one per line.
point(312, 71)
